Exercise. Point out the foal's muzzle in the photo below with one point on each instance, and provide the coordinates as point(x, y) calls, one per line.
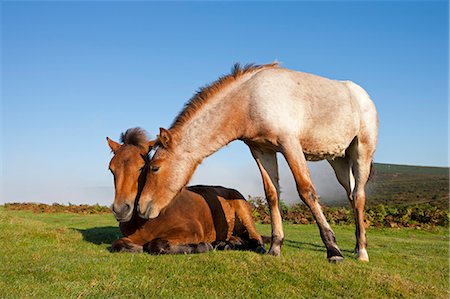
point(122, 213)
point(149, 211)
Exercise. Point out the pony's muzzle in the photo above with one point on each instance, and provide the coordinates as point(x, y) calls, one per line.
point(149, 211)
point(123, 212)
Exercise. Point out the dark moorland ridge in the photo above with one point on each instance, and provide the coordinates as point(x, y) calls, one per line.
point(400, 185)
point(393, 185)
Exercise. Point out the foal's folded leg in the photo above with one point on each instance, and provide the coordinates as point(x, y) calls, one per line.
point(237, 243)
point(159, 246)
point(224, 245)
point(125, 245)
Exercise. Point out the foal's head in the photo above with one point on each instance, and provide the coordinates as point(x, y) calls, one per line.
point(129, 168)
point(169, 171)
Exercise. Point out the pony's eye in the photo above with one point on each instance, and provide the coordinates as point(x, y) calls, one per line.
point(154, 168)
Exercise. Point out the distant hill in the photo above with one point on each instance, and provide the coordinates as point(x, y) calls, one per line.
point(401, 184)
point(410, 169)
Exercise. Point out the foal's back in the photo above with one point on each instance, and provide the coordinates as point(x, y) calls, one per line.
point(326, 115)
point(230, 212)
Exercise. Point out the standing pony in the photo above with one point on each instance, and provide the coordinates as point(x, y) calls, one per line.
point(273, 109)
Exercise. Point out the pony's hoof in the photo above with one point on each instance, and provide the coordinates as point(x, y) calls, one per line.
point(223, 245)
point(275, 251)
point(228, 247)
point(260, 250)
point(204, 247)
point(362, 256)
point(335, 259)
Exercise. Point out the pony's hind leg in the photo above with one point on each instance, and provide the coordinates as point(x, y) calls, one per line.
point(267, 164)
point(125, 245)
point(343, 169)
point(159, 246)
point(361, 155)
point(296, 160)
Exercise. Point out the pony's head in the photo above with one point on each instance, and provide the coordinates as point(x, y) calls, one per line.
point(169, 171)
point(129, 168)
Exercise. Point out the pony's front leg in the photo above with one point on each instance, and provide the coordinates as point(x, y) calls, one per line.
point(267, 164)
point(126, 245)
point(296, 160)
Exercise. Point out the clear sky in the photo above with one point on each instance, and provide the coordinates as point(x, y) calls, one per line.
point(76, 72)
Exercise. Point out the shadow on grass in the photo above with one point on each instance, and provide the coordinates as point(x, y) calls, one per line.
point(108, 234)
point(100, 235)
point(309, 246)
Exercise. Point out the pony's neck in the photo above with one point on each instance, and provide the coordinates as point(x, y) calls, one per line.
point(215, 125)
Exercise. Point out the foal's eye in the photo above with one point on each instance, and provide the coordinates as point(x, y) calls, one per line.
point(154, 168)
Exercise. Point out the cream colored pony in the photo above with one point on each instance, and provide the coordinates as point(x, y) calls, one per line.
point(273, 109)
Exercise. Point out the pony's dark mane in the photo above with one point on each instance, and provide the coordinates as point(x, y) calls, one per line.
point(206, 92)
point(134, 136)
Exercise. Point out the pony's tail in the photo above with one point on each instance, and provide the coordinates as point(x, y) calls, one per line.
point(372, 172)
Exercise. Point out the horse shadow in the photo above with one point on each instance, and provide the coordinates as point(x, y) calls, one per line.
point(100, 235)
point(108, 234)
point(309, 246)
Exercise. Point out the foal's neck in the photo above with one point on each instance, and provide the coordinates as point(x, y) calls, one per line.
point(216, 124)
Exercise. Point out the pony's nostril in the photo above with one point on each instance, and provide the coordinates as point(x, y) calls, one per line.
point(114, 209)
point(121, 211)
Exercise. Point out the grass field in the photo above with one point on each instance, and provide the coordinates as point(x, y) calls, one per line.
point(65, 255)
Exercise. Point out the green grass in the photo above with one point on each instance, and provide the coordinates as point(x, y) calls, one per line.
point(65, 255)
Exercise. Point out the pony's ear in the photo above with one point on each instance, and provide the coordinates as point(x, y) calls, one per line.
point(149, 145)
point(164, 137)
point(113, 145)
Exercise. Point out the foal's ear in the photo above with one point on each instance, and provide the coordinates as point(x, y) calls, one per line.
point(149, 145)
point(113, 145)
point(164, 137)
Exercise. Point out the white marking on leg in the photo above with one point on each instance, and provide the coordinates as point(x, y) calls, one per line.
point(362, 255)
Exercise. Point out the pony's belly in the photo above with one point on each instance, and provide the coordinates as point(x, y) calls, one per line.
point(327, 140)
point(322, 155)
point(316, 150)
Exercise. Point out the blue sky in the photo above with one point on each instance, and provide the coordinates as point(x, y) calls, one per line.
point(76, 72)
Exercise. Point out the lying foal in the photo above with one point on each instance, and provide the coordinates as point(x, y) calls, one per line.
point(197, 220)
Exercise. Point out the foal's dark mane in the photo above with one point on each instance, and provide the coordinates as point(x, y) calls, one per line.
point(134, 136)
point(205, 93)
